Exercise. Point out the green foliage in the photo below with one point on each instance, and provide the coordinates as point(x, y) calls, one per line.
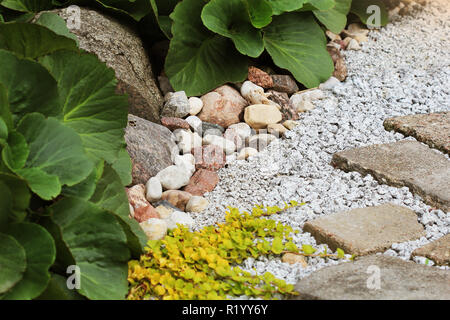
point(200, 265)
point(63, 166)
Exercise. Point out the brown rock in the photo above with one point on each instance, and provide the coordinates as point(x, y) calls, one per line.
point(210, 157)
point(120, 47)
point(432, 129)
point(340, 69)
point(136, 196)
point(223, 106)
point(150, 147)
point(366, 230)
point(201, 182)
point(284, 83)
point(259, 77)
point(173, 123)
point(142, 214)
point(292, 258)
point(177, 198)
point(438, 251)
point(282, 99)
point(403, 163)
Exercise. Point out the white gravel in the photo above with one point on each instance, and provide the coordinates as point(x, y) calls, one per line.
point(403, 69)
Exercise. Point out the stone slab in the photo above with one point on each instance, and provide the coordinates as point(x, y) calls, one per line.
point(432, 129)
point(438, 251)
point(399, 280)
point(403, 163)
point(366, 230)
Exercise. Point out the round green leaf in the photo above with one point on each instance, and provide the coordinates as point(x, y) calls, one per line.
point(91, 106)
point(27, 5)
point(335, 19)
point(29, 86)
point(12, 262)
point(40, 255)
point(297, 43)
point(29, 40)
point(198, 60)
point(98, 245)
point(55, 23)
point(260, 12)
point(230, 19)
point(53, 149)
point(281, 6)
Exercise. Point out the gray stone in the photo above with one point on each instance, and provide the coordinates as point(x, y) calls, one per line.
point(211, 126)
point(176, 105)
point(399, 280)
point(403, 163)
point(366, 230)
point(438, 251)
point(432, 129)
point(151, 148)
point(119, 46)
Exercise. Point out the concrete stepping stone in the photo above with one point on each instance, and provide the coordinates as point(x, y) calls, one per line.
point(376, 277)
point(366, 230)
point(438, 251)
point(403, 163)
point(432, 129)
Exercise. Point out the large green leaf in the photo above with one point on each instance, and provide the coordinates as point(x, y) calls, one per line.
point(335, 19)
point(90, 105)
point(297, 43)
point(13, 262)
point(5, 205)
point(199, 60)
point(30, 88)
point(40, 255)
point(322, 4)
point(281, 6)
point(53, 148)
point(162, 9)
point(31, 40)
point(97, 243)
point(57, 290)
point(27, 5)
point(5, 113)
point(230, 19)
point(123, 167)
point(360, 7)
point(20, 198)
point(260, 12)
point(55, 23)
point(135, 8)
point(110, 195)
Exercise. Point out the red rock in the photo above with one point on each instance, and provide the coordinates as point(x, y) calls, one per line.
point(201, 182)
point(210, 157)
point(177, 198)
point(142, 214)
point(136, 196)
point(340, 69)
point(173, 123)
point(259, 77)
point(223, 106)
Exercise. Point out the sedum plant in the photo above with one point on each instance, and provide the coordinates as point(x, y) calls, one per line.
point(203, 264)
point(211, 41)
point(63, 167)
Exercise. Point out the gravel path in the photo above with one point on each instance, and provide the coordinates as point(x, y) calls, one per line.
point(403, 69)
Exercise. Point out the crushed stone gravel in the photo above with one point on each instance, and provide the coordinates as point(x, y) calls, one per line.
point(403, 69)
